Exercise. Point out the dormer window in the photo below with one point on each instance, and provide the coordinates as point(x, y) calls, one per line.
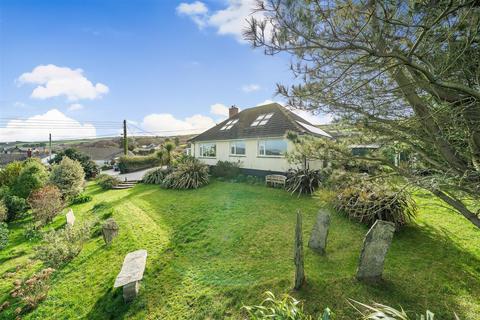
point(229, 124)
point(261, 120)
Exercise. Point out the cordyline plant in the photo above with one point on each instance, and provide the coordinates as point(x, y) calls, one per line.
point(407, 71)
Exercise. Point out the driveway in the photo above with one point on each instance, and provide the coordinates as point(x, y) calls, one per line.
point(137, 175)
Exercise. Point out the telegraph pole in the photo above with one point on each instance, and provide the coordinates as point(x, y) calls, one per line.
point(49, 146)
point(125, 143)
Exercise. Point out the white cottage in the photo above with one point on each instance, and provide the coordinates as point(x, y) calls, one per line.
point(255, 137)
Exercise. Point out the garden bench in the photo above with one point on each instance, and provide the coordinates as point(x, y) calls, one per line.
point(275, 179)
point(131, 273)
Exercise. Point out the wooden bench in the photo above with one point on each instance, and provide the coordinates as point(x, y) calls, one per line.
point(275, 179)
point(131, 273)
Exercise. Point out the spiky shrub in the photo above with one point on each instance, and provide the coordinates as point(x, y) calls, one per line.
point(285, 308)
point(304, 180)
point(189, 174)
point(367, 202)
point(106, 181)
point(156, 176)
point(226, 169)
point(378, 311)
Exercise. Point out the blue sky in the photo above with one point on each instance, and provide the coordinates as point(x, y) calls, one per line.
point(163, 65)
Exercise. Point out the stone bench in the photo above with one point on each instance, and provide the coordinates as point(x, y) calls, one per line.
point(131, 273)
point(275, 179)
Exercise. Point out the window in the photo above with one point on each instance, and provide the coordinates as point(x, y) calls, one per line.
point(237, 148)
point(229, 124)
point(261, 120)
point(272, 147)
point(208, 150)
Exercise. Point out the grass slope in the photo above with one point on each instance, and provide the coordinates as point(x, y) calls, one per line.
point(214, 249)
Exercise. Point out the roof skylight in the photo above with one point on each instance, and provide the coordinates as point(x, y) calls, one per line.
point(261, 120)
point(229, 124)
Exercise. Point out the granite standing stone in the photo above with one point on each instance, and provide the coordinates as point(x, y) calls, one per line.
point(70, 218)
point(318, 238)
point(132, 272)
point(109, 230)
point(375, 247)
point(298, 254)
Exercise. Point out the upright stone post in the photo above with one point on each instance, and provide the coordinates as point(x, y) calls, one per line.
point(318, 238)
point(375, 248)
point(109, 230)
point(298, 254)
point(70, 218)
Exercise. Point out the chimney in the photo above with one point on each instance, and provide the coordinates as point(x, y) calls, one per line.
point(232, 111)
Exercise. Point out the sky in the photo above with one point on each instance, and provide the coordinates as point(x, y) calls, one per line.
point(78, 68)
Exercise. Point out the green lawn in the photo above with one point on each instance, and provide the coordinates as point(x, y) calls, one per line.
point(214, 249)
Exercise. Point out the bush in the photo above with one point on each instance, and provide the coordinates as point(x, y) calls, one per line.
point(3, 211)
point(32, 177)
point(32, 232)
point(60, 246)
point(10, 173)
point(32, 291)
point(190, 174)
point(226, 169)
point(156, 176)
point(81, 198)
point(46, 203)
point(90, 169)
point(135, 163)
point(68, 176)
point(3, 235)
point(367, 202)
point(106, 181)
point(304, 181)
point(15, 205)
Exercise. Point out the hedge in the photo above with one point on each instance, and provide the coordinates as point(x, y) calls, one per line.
point(135, 163)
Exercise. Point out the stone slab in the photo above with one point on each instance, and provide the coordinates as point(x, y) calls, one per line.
point(375, 247)
point(318, 237)
point(132, 269)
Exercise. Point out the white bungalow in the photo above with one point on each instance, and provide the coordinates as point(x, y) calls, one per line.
point(256, 138)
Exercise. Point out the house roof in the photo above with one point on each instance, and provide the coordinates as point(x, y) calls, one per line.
point(101, 153)
point(279, 124)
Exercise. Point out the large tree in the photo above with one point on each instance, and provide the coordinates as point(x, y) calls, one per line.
point(408, 71)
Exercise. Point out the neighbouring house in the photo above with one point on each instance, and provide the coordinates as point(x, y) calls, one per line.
point(102, 155)
point(255, 137)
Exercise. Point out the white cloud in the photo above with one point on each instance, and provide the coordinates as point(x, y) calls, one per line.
point(230, 21)
point(38, 127)
point(165, 124)
point(75, 106)
point(197, 11)
point(54, 81)
point(250, 88)
point(219, 109)
point(193, 8)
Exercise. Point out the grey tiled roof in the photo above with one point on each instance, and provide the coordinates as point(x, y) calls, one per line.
point(282, 121)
